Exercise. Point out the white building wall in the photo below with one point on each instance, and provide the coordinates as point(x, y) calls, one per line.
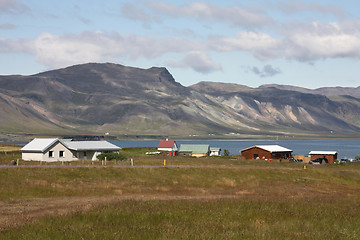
point(26, 156)
point(67, 154)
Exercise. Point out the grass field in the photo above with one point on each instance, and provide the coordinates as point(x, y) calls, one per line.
point(207, 198)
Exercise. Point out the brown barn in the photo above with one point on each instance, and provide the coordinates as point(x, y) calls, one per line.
point(331, 156)
point(266, 152)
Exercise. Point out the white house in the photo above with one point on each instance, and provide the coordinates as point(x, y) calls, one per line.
point(54, 149)
point(215, 151)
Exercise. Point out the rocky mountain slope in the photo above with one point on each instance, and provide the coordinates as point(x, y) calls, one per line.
point(97, 98)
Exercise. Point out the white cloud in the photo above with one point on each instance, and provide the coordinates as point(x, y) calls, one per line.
point(63, 50)
point(308, 43)
point(198, 61)
point(12, 6)
point(198, 10)
point(261, 45)
point(295, 6)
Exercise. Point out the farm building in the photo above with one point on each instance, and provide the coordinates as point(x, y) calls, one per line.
point(194, 150)
point(331, 156)
point(168, 145)
point(54, 149)
point(215, 151)
point(266, 152)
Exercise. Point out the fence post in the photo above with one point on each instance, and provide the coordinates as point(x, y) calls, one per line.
point(105, 161)
point(17, 162)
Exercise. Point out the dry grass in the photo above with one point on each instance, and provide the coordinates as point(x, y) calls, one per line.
point(207, 198)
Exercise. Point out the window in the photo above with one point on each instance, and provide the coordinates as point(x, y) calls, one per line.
point(256, 156)
point(84, 154)
point(61, 154)
point(51, 154)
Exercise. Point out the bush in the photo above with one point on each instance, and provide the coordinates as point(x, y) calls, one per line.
point(226, 152)
point(111, 156)
point(357, 158)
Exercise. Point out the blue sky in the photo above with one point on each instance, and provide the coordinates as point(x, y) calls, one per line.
point(303, 43)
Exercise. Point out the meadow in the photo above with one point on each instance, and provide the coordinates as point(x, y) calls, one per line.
point(189, 198)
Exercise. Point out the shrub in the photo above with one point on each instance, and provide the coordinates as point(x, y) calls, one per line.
point(111, 156)
point(226, 152)
point(357, 158)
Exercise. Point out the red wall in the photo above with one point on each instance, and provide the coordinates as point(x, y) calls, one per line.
point(249, 153)
point(330, 158)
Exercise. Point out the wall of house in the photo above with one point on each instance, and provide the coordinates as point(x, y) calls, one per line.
point(67, 156)
point(198, 155)
point(214, 153)
point(331, 158)
point(29, 156)
point(185, 153)
point(91, 155)
point(250, 153)
point(165, 149)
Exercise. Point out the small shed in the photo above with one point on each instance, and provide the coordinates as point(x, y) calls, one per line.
point(331, 156)
point(169, 146)
point(194, 150)
point(215, 151)
point(266, 152)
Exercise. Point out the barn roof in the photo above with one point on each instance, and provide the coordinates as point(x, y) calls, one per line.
point(195, 148)
point(91, 146)
point(39, 144)
point(166, 143)
point(322, 153)
point(42, 144)
point(271, 148)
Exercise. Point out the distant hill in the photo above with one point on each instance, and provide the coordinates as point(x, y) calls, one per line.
point(327, 91)
point(97, 98)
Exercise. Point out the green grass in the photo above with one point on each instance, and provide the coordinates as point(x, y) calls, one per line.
point(219, 219)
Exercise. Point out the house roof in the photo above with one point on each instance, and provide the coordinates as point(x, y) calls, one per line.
point(166, 143)
point(42, 144)
point(214, 149)
point(91, 145)
point(194, 148)
point(322, 153)
point(39, 144)
point(271, 148)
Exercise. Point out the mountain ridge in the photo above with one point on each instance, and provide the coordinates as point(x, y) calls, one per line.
point(104, 97)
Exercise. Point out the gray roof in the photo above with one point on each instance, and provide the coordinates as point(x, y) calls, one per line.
point(215, 149)
point(42, 144)
point(91, 146)
point(194, 148)
point(322, 153)
point(39, 145)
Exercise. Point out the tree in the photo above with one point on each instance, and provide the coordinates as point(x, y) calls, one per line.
point(357, 158)
point(226, 152)
point(111, 156)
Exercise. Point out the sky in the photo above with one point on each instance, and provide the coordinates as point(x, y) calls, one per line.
point(303, 43)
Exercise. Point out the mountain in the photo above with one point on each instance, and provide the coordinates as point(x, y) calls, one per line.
point(97, 98)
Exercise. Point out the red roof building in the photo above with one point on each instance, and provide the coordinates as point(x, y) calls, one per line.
point(168, 145)
point(266, 152)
